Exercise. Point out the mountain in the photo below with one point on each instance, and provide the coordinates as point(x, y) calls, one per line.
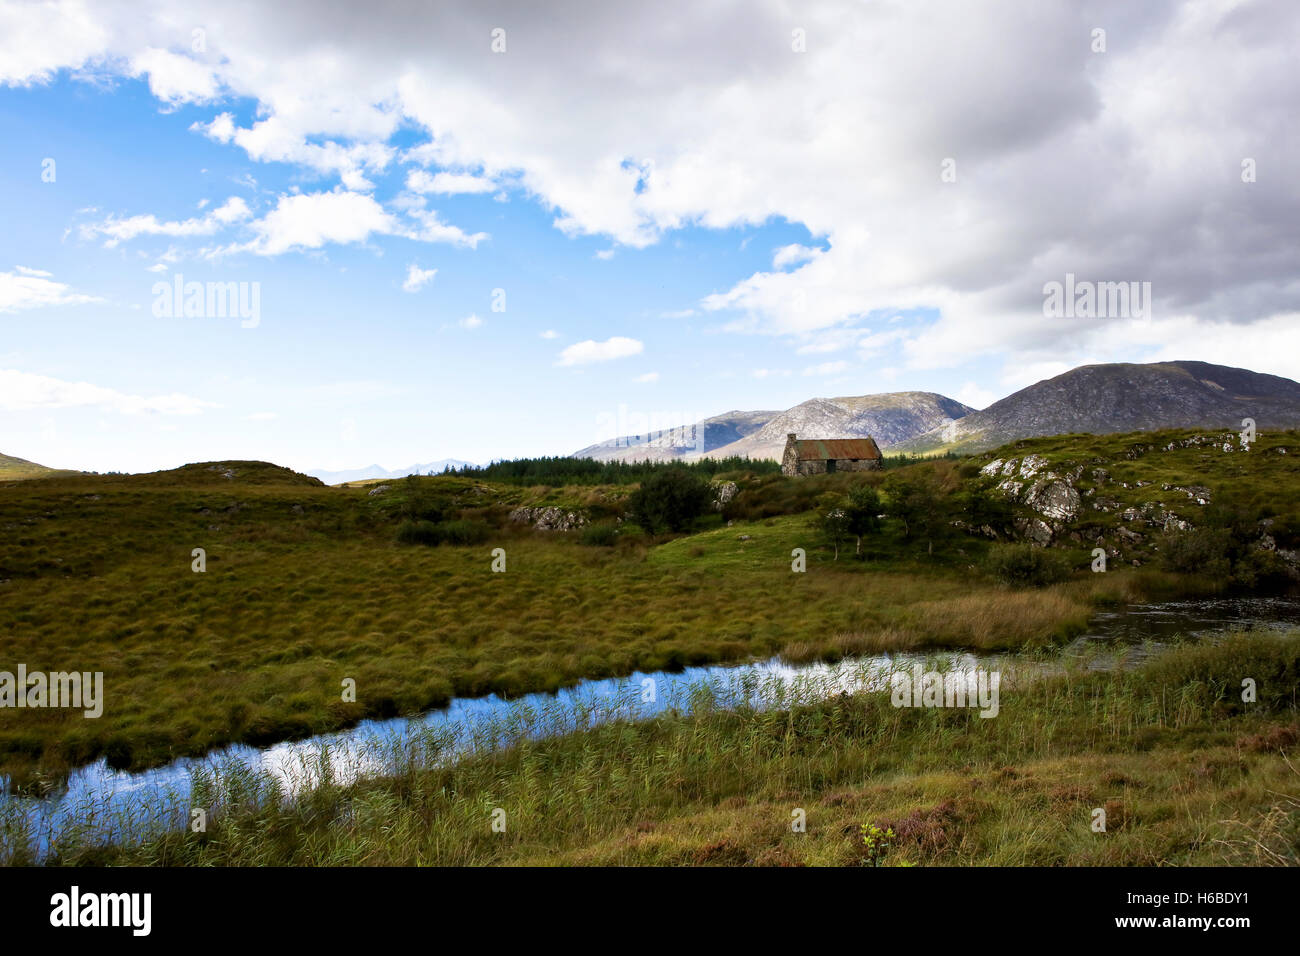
point(375, 471)
point(679, 443)
point(889, 417)
point(15, 468)
point(1103, 399)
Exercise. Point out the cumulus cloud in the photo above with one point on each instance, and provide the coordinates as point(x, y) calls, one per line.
point(21, 391)
point(793, 255)
point(27, 288)
point(447, 184)
point(1125, 164)
point(175, 79)
point(115, 230)
point(583, 353)
point(470, 322)
point(417, 278)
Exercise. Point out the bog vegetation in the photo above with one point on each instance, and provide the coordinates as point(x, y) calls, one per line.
point(391, 584)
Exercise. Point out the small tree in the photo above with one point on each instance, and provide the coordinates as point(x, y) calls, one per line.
point(670, 499)
point(986, 508)
point(835, 527)
point(915, 499)
point(862, 511)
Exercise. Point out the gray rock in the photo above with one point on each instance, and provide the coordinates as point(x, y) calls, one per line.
point(1054, 499)
point(548, 518)
point(723, 492)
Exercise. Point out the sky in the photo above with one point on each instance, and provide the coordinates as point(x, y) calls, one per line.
point(495, 230)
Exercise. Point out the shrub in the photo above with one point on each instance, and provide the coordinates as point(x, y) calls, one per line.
point(418, 532)
point(670, 500)
point(1201, 551)
point(441, 532)
point(417, 503)
point(1024, 565)
point(984, 507)
point(463, 532)
point(601, 534)
point(915, 498)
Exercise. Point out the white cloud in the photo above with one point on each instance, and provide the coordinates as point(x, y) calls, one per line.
point(260, 417)
point(550, 334)
point(26, 288)
point(582, 353)
point(1122, 165)
point(447, 184)
point(117, 230)
point(826, 368)
point(605, 254)
point(647, 378)
point(470, 322)
point(793, 255)
point(417, 278)
point(176, 79)
point(769, 372)
point(975, 396)
point(21, 391)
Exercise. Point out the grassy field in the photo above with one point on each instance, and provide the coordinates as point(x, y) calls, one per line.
point(1185, 772)
point(307, 586)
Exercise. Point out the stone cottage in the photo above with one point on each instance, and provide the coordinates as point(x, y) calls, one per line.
point(817, 456)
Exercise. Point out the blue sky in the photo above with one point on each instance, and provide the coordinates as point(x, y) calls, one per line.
point(684, 218)
point(353, 368)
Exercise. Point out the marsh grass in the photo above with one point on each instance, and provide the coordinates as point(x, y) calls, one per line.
point(1187, 777)
point(307, 586)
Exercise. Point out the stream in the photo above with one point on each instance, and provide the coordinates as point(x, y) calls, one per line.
point(99, 804)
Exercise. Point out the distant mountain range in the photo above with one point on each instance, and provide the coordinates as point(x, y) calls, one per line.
point(888, 418)
point(375, 471)
point(688, 441)
point(1101, 399)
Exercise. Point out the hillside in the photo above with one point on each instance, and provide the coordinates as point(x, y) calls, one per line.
point(1106, 399)
point(679, 443)
point(889, 418)
point(14, 469)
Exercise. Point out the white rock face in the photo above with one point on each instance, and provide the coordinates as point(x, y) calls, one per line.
point(548, 519)
point(723, 491)
point(1032, 465)
point(1054, 499)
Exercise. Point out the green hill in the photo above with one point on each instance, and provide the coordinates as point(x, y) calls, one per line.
point(15, 469)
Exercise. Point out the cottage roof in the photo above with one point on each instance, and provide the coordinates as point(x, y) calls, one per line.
point(821, 449)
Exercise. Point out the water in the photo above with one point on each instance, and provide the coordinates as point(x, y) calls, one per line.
point(98, 804)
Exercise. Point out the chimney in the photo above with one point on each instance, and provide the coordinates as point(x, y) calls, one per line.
point(789, 436)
